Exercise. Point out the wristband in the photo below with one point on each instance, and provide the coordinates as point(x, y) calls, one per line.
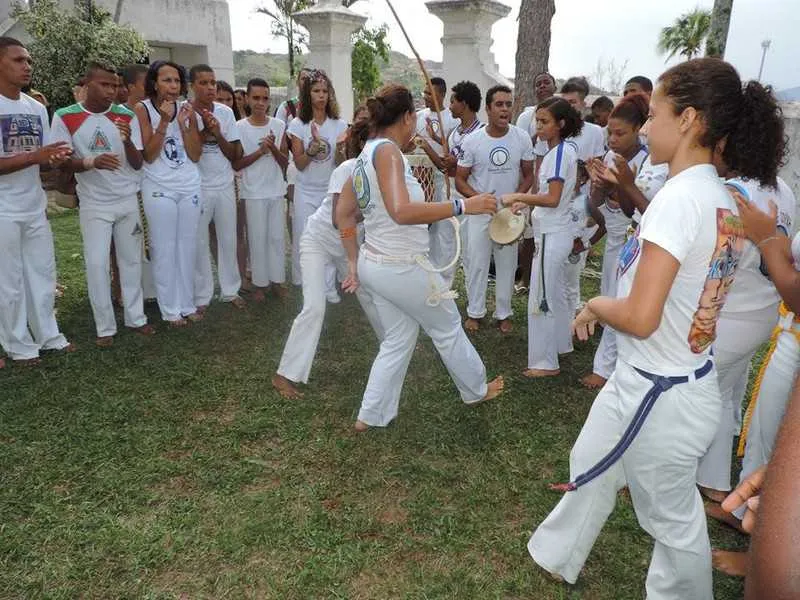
point(347, 232)
point(458, 207)
point(765, 240)
point(88, 163)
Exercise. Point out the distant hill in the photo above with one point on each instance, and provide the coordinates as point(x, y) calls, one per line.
point(790, 95)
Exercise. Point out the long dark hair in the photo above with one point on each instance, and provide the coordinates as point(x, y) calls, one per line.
point(306, 109)
point(387, 106)
point(563, 111)
point(747, 116)
point(226, 87)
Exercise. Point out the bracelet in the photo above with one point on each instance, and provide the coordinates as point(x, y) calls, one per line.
point(458, 207)
point(347, 232)
point(765, 240)
point(88, 163)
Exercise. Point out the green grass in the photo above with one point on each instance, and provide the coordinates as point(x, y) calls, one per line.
point(168, 465)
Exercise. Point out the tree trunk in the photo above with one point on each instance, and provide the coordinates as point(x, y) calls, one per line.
point(720, 22)
point(533, 49)
point(118, 11)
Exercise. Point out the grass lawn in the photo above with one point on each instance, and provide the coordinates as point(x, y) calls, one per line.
point(167, 467)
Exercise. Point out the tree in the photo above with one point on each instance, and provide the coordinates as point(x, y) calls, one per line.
point(65, 42)
point(686, 35)
point(720, 23)
point(284, 26)
point(369, 48)
point(533, 48)
point(608, 76)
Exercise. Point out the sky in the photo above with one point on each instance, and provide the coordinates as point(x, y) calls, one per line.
point(583, 33)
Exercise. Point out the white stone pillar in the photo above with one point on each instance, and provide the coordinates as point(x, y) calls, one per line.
point(791, 170)
point(467, 41)
point(330, 26)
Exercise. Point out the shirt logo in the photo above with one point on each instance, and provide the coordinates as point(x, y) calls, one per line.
point(174, 153)
point(324, 151)
point(499, 156)
point(361, 185)
point(628, 254)
point(21, 133)
point(99, 143)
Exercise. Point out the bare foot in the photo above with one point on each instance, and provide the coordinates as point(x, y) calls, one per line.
point(505, 325)
point(731, 563)
point(715, 512)
point(104, 342)
point(552, 576)
point(280, 290)
point(201, 310)
point(360, 426)
point(258, 295)
point(494, 389)
point(178, 323)
point(238, 302)
point(472, 325)
point(537, 373)
point(68, 349)
point(195, 317)
point(28, 362)
point(712, 494)
point(145, 330)
point(593, 381)
point(286, 387)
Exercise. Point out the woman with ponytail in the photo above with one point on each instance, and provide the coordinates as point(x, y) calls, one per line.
point(393, 264)
point(320, 246)
point(658, 412)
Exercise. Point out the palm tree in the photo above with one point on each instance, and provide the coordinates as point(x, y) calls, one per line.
point(686, 35)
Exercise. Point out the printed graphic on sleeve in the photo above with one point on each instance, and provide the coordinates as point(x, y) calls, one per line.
point(21, 133)
point(629, 253)
point(361, 186)
point(721, 270)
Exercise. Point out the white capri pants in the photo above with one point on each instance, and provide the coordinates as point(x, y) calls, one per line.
point(737, 341)
point(301, 346)
point(481, 249)
point(549, 331)
point(400, 291)
point(173, 219)
point(27, 288)
point(99, 222)
point(266, 238)
point(659, 468)
point(219, 206)
point(306, 202)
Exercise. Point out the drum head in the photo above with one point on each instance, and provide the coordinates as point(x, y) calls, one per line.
point(506, 227)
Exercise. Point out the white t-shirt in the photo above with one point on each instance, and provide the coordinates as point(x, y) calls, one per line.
point(495, 162)
point(753, 290)
point(693, 218)
point(24, 128)
point(527, 122)
point(320, 224)
point(617, 222)
point(383, 234)
point(588, 144)
point(264, 178)
point(216, 171)
point(559, 164)
point(172, 169)
point(456, 144)
point(650, 179)
point(283, 111)
point(450, 123)
point(317, 173)
point(91, 134)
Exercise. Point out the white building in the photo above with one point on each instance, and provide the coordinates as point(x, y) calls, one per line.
point(185, 31)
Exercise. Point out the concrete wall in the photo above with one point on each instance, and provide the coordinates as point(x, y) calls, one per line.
point(791, 171)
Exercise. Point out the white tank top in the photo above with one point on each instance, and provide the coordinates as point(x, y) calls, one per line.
point(172, 169)
point(383, 234)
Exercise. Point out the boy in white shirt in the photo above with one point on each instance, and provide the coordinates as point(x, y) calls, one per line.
point(106, 144)
point(498, 159)
point(27, 257)
point(263, 187)
point(220, 147)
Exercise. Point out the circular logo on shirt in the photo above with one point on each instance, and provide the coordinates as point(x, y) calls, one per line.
point(361, 185)
point(324, 151)
point(498, 156)
point(174, 153)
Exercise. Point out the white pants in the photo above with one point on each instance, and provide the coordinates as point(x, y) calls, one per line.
point(549, 326)
point(573, 280)
point(99, 223)
point(443, 248)
point(306, 202)
point(173, 220)
point(301, 346)
point(777, 383)
point(608, 278)
point(219, 206)
point(27, 288)
point(481, 249)
point(737, 341)
point(399, 292)
point(266, 233)
point(659, 468)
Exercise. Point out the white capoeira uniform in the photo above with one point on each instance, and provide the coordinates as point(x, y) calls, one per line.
point(311, 186)
point(495, 167)
point(456, 144)
point(219, 206)
point(618, 226)
point(27, 256)
point(671, 372)
point(549, 315)
point(171, 195)
point(527, 122)
point(443, 240)
point(109, 208)
point(262, 189)
point(390, 267)
point(319, 246)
